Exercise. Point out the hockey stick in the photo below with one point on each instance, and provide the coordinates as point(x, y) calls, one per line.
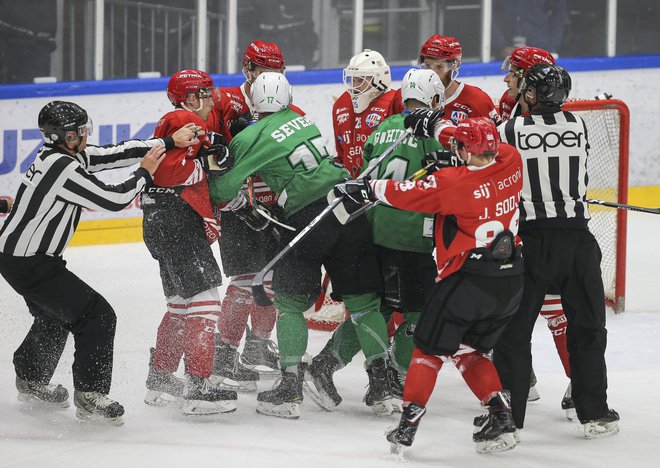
point(622, 206)
point(258, 207)
point(258, 292)
point(345, 217)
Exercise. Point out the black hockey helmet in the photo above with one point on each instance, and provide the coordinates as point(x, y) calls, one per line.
point(551, 82)
point(57, 118)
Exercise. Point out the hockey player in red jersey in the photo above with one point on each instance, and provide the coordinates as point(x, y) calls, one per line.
point(179, 227)
point(512, 105)
point(443, 55)
point(245, 251)
point(358, 111)
point(479, 282)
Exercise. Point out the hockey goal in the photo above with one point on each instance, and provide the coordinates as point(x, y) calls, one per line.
point(608, 126)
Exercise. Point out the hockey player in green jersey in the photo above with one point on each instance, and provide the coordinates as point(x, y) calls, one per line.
point(286, 151)
point(403, 240)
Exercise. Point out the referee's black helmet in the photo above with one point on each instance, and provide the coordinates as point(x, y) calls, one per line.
point(551, 82)
point(57, 118)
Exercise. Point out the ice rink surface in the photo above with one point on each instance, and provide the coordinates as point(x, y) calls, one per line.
point(351, 436)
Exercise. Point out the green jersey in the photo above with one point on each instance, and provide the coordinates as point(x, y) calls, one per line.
point(285, 149)
point(394, 228)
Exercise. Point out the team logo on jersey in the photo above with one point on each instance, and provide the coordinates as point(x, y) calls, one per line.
point(372, 120)
point(457, 116)
point(342, 118)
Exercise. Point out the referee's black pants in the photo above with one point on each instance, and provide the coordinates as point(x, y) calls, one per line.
point(61, 303)
point(569, 259)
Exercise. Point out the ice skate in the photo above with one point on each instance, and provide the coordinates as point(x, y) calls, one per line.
point(404, 435)
point(533, 394)
point(321, 389)
point(602, 427)
point(379, 395)
point(95, 406)
point(54, 396)
point(230, 373)
point(568, 406)
point(494, 432)
point(202, 397)
point(261, 355)
point(284, 399)
point(163, 388)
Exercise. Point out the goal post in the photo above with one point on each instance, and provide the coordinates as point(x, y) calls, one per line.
point(608, 127)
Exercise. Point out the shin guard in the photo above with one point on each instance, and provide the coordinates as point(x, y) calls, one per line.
point(169, 342)
point(479, 374)
point(421, 377)
point(553, 312)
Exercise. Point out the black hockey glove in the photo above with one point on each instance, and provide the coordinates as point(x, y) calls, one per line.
point(240, 124)
point(356, 192)
point(422, 121)
point(216, 159)
point(439, 159)
point(252, 218)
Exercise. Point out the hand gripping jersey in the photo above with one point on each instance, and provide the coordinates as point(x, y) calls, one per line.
point(391, 227)
point(472, 205)
point(229, 105)
point(352, 130)
point(179, 168)
point(508, 107)
point(286, 150)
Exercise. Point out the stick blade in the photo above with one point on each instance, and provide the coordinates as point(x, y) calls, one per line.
point(260, 296)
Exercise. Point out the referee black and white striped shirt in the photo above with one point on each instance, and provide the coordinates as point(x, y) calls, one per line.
point(554, 147)
point(57, 186)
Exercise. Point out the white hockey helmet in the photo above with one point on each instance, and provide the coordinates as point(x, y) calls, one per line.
point(367, 76)
point(271, 92)
point(423, 86)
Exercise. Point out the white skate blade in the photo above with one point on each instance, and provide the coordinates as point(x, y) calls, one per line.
point(206, 408)
point(501, 444)
point(97, 418)
point(229, 384)
point(323, 401)
point(36, 403)
point(594, 430)
point(283, 410)
point(160, 399)
point(383, 408)
point(533, 394)
point(571, 415)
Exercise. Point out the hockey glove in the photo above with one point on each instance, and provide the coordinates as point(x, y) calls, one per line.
point(240, 124)
point(252, 218)
point(439, 159)
point(216, 159)
point(422, 121)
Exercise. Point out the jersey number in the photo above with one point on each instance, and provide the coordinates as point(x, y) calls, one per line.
point(308, 154)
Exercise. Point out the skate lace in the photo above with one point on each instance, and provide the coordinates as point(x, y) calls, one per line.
point(99, 400)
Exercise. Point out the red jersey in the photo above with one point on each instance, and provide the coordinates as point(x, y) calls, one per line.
point(469, 101)
point(180, 168)
point(352, 130)
point(228, 105)
point(472, 205)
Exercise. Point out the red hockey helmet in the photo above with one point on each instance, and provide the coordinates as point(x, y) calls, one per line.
point(524, 57)
point(189, 81)
point(477, 135)
point(441, 47)
point(263, 54)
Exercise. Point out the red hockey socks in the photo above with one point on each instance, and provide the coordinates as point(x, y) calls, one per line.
point(479, 374)
point(421, 377)
point(169, 342)
point(235, 310)
point(553, 312)
point(199, 344)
